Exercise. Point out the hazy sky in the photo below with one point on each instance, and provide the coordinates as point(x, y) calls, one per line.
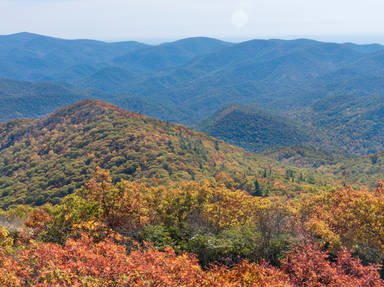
point(110, 20)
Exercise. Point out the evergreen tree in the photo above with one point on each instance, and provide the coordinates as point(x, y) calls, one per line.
point(258, 190)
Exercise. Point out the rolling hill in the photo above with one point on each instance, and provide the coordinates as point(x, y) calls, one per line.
point(252, 128)
point(46, 159)
point(349, 123)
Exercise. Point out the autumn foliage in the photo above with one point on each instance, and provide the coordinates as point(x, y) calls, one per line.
point(348, 217)
point(200, 234)
point(83, 262)
point(310, 266)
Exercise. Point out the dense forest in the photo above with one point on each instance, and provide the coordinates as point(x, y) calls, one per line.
point(44, 160)
point(252, 128)
point(94, 195)
point(129, 234)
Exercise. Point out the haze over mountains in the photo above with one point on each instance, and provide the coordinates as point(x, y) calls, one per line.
point(322, 88)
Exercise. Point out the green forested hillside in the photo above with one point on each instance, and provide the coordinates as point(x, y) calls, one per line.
point(365, 170)
point(252, 128)
point(348, 123)
point(347, 169)
point(43, 160)
point(337, 124)
point(306, 156)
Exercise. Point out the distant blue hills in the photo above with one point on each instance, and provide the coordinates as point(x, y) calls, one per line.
point(333, 92)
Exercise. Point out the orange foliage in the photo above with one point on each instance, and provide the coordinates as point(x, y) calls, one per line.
point(249, 274)
point(37, 221)
point(309, 266)
point(347, 217)
point(86, 263)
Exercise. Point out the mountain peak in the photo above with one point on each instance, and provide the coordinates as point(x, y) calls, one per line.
point(88, 110)
point(27, 36)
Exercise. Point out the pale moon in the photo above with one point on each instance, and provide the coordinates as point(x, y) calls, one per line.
point(239, 18)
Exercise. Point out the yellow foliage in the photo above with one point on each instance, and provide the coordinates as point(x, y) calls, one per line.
point(6, 242)
point(346, 217)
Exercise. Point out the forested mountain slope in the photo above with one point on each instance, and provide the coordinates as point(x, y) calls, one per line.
point(43, 160)
point(347, 169)
point(365, 170)
point(349, 123)
point(306, 156)
point(252, 128)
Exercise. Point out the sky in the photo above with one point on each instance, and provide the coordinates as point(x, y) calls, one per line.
point(359, 21)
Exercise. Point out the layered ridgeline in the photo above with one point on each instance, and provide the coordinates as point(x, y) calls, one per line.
point(333, 90)
point(275, 74)
point(43, 160)
point(252, 128)
point(200, 75)
point(26, 56)
point(20, 99)
point(25, 99)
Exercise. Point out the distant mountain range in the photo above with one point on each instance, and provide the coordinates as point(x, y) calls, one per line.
point(331, 91)
point(26, 56)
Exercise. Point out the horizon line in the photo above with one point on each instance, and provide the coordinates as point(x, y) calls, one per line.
point(339, 39)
